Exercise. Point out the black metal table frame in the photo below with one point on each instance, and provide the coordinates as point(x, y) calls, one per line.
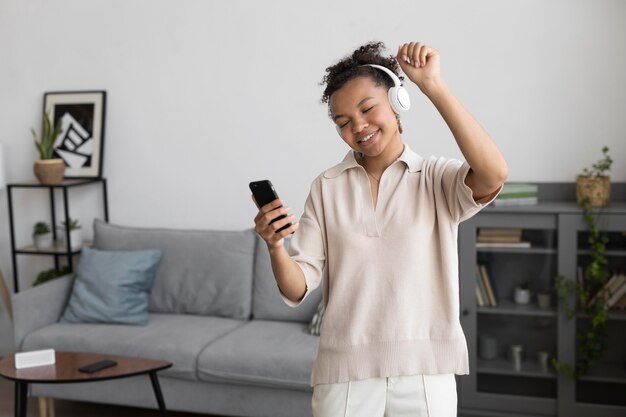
point(21, 390)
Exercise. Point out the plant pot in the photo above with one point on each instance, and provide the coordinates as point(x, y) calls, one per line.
point(76, 237)
point(43, 241)
point(522, 295)
point(595, 189)
point(49, 171)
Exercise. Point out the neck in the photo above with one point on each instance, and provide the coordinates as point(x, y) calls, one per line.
point(376, 165)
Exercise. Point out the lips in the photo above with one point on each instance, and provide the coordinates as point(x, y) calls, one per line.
point(367, 137)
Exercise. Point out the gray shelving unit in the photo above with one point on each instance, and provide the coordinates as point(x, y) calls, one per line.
point(494, 387)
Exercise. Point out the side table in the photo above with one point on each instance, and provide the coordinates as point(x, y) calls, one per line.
point(65, 370)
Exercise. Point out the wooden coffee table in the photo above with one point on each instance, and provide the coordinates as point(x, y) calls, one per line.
point(65, 370)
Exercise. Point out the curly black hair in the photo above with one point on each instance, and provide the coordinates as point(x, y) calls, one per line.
point(351, 66)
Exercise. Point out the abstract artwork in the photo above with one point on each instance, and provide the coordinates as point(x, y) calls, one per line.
point(81, 141)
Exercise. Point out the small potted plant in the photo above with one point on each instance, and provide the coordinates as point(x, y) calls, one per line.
point(75, 229)
point(42, 235)
point(593, 185)
point(49, 169)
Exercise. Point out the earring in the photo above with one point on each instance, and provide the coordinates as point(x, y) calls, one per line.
point(399, 124)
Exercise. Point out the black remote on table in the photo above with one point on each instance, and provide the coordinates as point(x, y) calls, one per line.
point(97, 366)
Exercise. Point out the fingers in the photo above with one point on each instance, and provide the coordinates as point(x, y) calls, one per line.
point(415, 54)
point(267, 208)
point(267, 223)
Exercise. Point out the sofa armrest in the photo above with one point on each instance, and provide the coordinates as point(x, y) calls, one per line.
point(39, 307)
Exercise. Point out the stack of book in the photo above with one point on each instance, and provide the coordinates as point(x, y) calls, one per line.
point(500, 237)
point(517, 194)
point(614, 291)
point(485, 290)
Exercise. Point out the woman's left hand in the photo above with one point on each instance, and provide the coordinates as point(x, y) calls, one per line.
point(420, 63)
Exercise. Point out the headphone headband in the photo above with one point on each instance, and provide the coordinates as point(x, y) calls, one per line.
point(392, 75)
point(398, 96)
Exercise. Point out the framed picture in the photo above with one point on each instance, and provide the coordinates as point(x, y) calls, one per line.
point(81, 141)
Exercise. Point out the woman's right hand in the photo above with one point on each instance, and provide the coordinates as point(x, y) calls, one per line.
point(267, 231)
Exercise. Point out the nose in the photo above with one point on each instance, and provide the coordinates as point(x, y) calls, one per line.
point(359, 124)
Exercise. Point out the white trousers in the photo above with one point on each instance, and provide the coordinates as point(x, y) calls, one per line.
point(403, 396)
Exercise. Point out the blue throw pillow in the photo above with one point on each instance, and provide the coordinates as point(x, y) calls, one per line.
point(112, 287)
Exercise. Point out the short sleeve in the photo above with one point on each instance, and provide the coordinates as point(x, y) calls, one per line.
point(307, 246)
point(459, 197)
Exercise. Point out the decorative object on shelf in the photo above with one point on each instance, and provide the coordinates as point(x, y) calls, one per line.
point(42, 235)
point(49, 169)
point(522, 294)
point(50, 274)
point(593, 185)
point(544, 299)
point(80, 142)
point(487, 347)
point(516, 355)
point(543, 360)
point(590, 300)
point(76, 233)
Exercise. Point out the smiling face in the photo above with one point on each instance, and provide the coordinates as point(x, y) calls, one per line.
point(365, 119)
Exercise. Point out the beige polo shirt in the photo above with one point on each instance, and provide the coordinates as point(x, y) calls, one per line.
point(390, 273)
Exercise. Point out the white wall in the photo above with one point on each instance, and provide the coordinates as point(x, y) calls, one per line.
point(204, 96)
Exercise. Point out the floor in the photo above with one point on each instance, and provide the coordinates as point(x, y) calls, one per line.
point(76, 409)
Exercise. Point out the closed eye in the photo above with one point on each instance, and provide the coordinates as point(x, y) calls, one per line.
point(368, 109)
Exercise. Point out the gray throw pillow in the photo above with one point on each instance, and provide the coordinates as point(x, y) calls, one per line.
point(112, 287)
point(316, 322)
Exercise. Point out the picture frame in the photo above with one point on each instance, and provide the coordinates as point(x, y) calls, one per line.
point(81, 141)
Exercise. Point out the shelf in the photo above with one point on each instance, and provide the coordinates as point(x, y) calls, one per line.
point(615, 315)
point(609, 252)
point(500, 366)
point(510, 308)
point(612, 373)
point(525, 251)
point(58, 248)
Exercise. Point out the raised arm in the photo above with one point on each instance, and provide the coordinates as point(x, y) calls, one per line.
point(489, 169)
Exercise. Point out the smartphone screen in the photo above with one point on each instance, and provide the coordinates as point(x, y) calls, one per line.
point(264, 193)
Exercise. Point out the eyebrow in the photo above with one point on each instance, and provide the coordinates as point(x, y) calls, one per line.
point(337, 116)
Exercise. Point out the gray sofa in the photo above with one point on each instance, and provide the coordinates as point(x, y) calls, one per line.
point(215, 313)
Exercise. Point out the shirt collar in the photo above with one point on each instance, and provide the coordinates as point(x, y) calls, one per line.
point(412, 160)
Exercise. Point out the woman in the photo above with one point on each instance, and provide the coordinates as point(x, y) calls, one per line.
point(380, 229)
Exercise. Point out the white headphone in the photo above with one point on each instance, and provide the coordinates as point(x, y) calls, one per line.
point(398, 96)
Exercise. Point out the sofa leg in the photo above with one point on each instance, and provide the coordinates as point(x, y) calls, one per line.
point(46, 407)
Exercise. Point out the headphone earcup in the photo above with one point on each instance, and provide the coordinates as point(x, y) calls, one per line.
point(399, 99)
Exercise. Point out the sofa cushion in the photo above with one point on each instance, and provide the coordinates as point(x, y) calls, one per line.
point(267, 353)
point(171, 337)
point(201, 272)
point(267, 303)
point(112, 287)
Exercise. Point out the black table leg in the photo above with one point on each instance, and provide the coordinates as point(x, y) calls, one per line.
point(21, 391)
point(157, 391)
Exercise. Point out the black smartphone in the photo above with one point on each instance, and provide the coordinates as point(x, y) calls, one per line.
point(264, 193)
point(97, 366)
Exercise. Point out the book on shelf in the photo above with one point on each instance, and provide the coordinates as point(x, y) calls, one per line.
point(521, 245)
point(521, 201)
point(612, 290)
point(619, 292)
point(500, 237)
point(479, 296)
point(517, 194)
point(485, 280)
point(621, 304)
